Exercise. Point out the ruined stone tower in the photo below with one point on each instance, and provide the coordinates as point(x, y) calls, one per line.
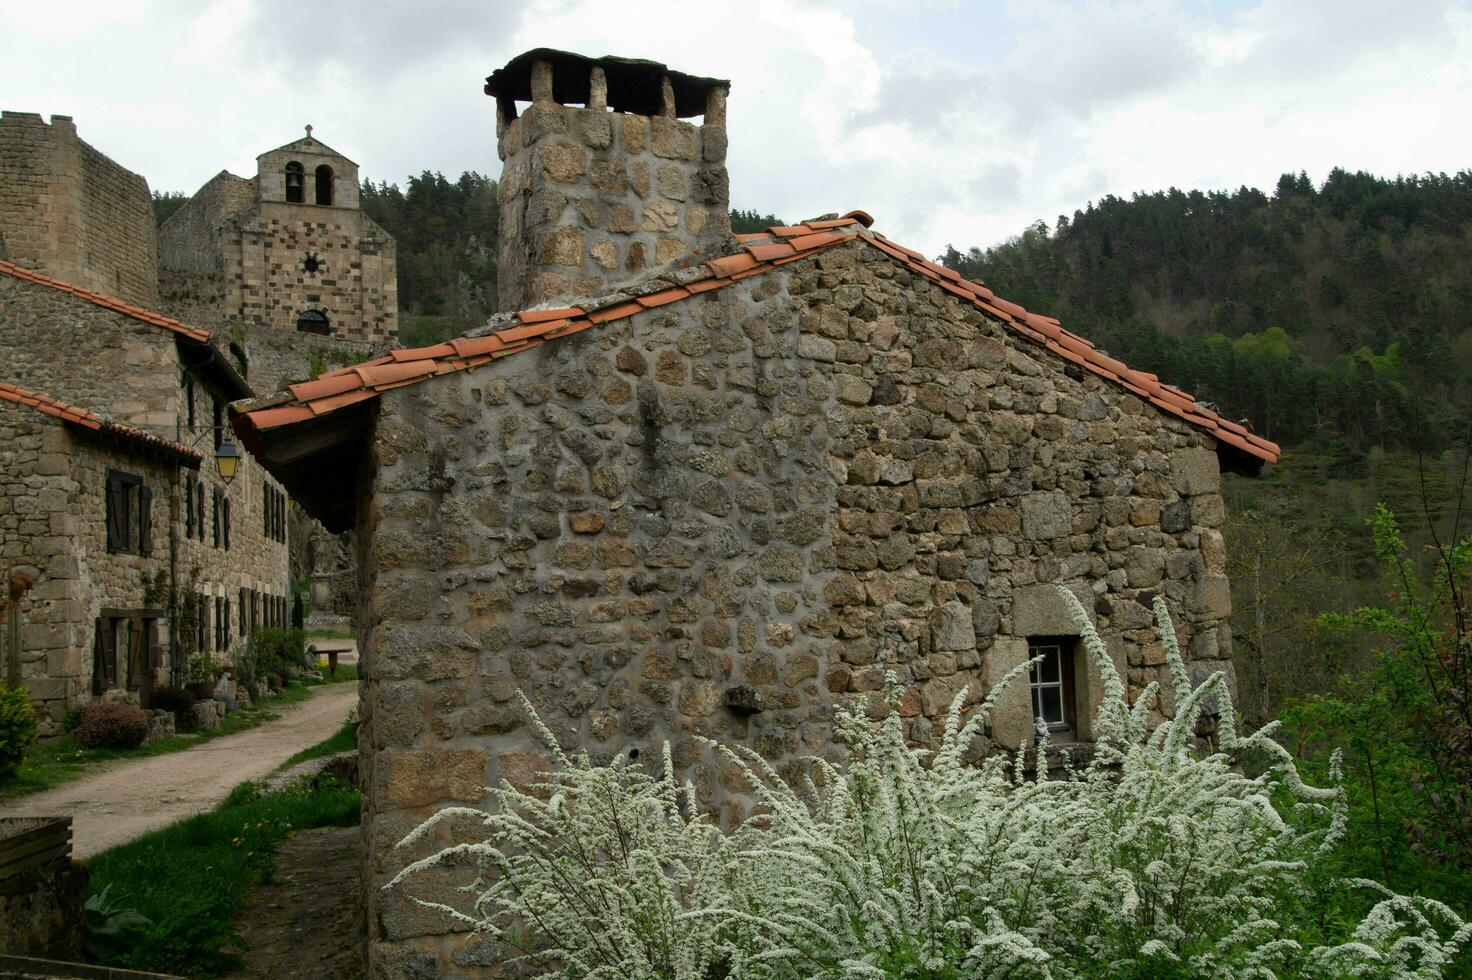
point(70, 212)
point(604, 180)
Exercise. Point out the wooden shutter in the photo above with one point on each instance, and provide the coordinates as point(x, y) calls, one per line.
point(189, 506)
point(99, 657)
point(199, 503)
point(116, 526)
point(109, 652)
point(226, 522)
point(244, 612)
point(145, 521)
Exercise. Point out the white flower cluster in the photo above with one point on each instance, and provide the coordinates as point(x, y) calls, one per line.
point(1151, 861)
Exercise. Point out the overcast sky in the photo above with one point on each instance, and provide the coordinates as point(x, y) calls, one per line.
point(952, 122)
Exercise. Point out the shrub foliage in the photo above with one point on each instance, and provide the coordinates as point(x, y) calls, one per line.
point(111, 725)
point(1153, 860)
point(17, 728)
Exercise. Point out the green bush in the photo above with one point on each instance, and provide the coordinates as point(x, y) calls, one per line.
point(111, 725)
point(175, 700)
point(17, 728)
point(278, 650)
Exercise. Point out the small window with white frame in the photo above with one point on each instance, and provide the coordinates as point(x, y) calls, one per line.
point(1054, 704)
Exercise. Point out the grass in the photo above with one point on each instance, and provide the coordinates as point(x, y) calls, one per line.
point(53, 761)
point(330, 634)
point(343, 740)
point(191, 878)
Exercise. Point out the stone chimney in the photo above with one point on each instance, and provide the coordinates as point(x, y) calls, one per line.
point(604, 181)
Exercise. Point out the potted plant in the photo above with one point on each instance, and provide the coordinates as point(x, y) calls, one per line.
point(200, 677)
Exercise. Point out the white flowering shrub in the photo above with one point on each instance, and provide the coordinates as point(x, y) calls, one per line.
point(1151, 861)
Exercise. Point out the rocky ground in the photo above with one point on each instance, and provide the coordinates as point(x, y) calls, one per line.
point(306, 922)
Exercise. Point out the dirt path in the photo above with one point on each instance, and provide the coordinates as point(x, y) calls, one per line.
point(305, 923)
point(132, 798)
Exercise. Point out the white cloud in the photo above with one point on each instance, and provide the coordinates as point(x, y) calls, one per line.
point(951, 122)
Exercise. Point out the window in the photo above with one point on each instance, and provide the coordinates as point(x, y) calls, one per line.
point(129, 512)
point(219, 422)
point(226, 522)
point(222, 622)
point(244, 625)
point(189, 397)
point(215, 535)
point(125, 648)
point(1051, 680)
point(313, 321)
point(273, 511)
point(295, 183)
point(324, 184)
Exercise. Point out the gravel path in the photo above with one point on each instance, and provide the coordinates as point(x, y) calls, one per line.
point(131, 798)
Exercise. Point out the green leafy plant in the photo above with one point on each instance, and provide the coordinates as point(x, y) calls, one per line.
point(202, 669)
point(110, 926)
point(17, 728)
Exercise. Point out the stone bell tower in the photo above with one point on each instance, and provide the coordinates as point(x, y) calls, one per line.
point(604, 180)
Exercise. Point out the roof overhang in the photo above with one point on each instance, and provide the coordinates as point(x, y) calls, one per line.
point(317, 460)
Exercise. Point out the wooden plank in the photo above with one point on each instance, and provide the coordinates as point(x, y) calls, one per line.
point(43, 857)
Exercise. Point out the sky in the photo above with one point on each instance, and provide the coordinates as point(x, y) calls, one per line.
point(952, 122)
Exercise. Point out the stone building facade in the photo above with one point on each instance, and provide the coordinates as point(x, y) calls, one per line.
point(148, 395)
point(288, 254)
point(69, 211)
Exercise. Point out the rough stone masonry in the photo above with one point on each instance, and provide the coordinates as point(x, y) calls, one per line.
point(722, 517)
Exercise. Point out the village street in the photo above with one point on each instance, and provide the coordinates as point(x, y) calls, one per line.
point(133, 797)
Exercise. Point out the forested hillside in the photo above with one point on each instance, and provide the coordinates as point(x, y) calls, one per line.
point(1336, 314)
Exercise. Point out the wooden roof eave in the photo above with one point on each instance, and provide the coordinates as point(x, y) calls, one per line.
point(317, 460)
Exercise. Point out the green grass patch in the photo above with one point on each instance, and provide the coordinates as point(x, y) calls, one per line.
point(53, 761)
point(343, 740)
point(330, 634)
point(191, 878)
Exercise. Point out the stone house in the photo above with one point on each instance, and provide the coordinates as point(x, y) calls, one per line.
point(288, 257)
point(711, 486)
point(108, 410)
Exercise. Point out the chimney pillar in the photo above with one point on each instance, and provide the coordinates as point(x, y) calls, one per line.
point(609, 191)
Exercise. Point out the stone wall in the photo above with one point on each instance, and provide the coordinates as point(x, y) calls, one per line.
point(196, 236)
point(53, 517)
point(355, 283)
point(66, 347)
point(720, 517)
point(590, 198)
point(69, 211)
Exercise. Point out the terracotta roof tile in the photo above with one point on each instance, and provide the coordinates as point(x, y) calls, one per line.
point(107, 302)
point(759, 253)
point(731, 264)
point(662, 297)
point(765, 253)
point(74, 415)
point(540, 316)
point(324, 387)
point(615, 312)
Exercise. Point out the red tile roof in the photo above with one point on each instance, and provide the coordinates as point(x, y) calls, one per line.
point(107, 302)
point(56, 408)
point(758, 253)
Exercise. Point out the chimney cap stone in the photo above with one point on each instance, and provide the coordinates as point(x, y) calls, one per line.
point(634, 85)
